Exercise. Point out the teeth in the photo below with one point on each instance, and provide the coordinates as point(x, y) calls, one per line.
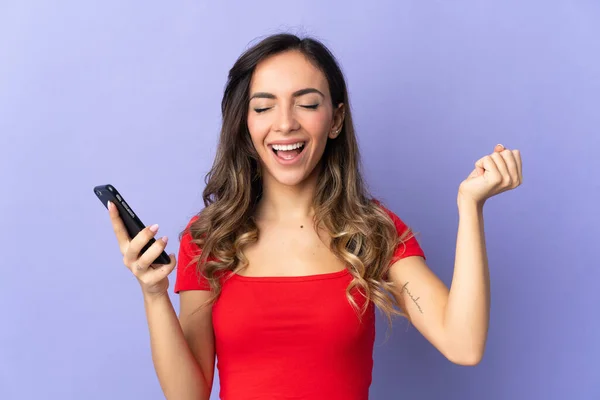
point(280, 147)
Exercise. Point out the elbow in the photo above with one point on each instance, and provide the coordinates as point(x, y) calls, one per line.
point(467, 360)
point(465, 357)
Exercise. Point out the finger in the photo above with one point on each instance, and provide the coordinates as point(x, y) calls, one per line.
point(503, 168)
point(159, 273)
point(138, 268)
point(511, 164)
point(499, 148)
point(118, 227)
point(152, 253)
point(138, 242)
point(488, 165)
point(143, 263)
point(517, 155)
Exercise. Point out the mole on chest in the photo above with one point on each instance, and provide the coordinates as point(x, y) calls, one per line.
point(283, 252)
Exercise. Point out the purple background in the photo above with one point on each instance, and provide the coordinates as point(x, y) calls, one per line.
point(128, 93)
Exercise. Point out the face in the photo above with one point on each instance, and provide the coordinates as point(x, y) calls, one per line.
point(291, 117)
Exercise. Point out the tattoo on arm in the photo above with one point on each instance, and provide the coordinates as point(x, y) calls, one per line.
point(404, 288)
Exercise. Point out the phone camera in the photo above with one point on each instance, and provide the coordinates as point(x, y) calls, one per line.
point(99, 193)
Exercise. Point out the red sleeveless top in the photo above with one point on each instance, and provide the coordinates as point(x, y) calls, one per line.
point(290, 337)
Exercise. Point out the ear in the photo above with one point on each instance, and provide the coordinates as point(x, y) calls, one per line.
point(339, 115)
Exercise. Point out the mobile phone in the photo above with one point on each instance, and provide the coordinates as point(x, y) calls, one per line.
point(132, 222)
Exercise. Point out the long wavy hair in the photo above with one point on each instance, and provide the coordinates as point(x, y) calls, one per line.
point(362, 234)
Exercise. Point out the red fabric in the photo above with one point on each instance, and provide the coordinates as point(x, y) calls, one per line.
point(290, 337)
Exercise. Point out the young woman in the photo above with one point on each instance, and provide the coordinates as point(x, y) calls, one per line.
point(279, 274)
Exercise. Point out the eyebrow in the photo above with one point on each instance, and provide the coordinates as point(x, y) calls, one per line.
point(297, 93)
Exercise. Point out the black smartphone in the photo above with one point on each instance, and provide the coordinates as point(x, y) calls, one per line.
point(132, 222)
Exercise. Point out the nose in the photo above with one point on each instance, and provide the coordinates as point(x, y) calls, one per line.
point(286, 120)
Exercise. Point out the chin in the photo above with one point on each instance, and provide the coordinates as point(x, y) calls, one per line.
point(288, 178)
point(290, 175)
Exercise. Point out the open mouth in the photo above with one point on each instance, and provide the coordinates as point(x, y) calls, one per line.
point(288, 151)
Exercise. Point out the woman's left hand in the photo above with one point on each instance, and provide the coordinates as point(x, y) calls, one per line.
point(493, 174)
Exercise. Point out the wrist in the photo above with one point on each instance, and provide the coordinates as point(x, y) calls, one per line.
point(468, 204)
point(152, 298)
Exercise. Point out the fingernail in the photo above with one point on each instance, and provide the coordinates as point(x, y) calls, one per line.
point(500, 145)
point(154, 228)
point(164, 239)
point(109, 205)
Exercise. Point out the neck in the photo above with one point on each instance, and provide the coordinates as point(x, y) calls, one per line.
point(281, 202)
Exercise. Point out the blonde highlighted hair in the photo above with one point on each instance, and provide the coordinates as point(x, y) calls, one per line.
point(362, 233)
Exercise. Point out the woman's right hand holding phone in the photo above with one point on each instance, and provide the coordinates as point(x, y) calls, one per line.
point(152, 278)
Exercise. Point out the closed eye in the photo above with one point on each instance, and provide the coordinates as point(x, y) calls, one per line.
point(261, 110)
point(309, 107)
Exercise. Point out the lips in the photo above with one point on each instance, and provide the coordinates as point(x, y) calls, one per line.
point(288, 152)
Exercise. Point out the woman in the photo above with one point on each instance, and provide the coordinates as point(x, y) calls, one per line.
point(280, 273)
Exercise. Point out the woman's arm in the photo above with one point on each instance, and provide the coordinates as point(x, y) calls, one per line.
point(456, 321)
point(182, 349)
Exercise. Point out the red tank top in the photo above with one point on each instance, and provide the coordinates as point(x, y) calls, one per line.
point(290, 337)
